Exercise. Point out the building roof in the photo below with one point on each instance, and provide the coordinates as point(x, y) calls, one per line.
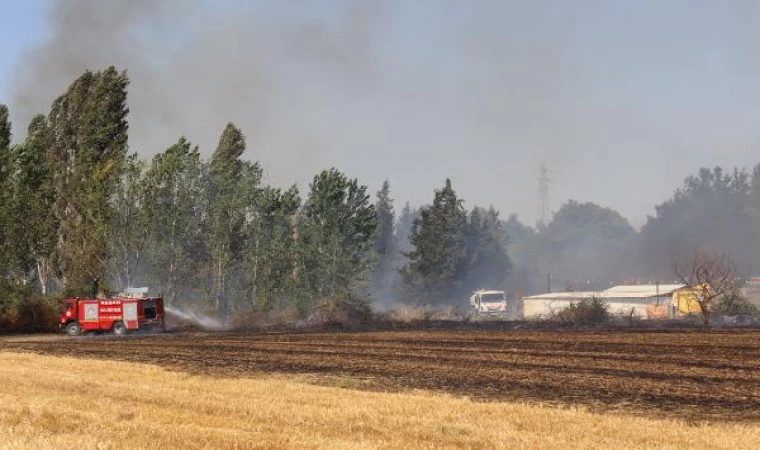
point(636, 291)
point(564, 295)
point(641, 291)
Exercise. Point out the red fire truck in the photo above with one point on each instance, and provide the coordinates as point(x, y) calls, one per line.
point(118, 315)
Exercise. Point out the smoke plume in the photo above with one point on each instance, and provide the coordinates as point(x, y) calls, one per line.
point(481, 92)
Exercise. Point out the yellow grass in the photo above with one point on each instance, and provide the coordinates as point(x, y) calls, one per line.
point(62, 403)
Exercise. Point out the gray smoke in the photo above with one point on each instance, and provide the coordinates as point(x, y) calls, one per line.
point(285, 80)
point(418, 91)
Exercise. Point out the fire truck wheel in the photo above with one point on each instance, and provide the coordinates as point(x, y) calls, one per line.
point(119, 329)
point(73, 329)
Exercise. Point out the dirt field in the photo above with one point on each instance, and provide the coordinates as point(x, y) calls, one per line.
point(693, 375)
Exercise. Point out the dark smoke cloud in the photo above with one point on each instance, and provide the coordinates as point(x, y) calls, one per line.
point(480, 91)
point(284, 80)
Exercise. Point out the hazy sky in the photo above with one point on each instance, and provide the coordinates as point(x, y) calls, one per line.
point(621, 99)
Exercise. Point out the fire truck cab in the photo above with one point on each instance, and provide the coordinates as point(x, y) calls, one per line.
point(491, 303)
point(118, 315)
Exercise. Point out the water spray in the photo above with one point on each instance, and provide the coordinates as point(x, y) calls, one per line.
point(206, 322)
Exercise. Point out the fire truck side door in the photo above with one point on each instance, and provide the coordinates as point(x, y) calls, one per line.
point(130, 315)
point(91, 312)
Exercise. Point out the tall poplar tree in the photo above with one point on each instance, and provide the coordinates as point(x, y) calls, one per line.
point(88, 126)
point(35, 225)
point(271, 249)
point(233, 186)
point(5, 128)
point(6, 193)
point(173, 206)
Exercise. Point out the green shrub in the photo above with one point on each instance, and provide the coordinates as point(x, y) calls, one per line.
point(24, 310)
point(589, 311)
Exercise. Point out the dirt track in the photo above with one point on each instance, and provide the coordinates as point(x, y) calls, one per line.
point(694, 375)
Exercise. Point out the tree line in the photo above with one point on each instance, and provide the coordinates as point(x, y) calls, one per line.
point(76, 206)
point(587, 247)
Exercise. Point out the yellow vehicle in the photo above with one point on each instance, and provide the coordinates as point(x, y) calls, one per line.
point(685, 300)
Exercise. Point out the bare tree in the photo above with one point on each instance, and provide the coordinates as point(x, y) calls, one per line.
point(709, 275)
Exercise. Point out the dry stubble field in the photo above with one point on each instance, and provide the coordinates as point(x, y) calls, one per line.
point(689, 385)
point(694, 375)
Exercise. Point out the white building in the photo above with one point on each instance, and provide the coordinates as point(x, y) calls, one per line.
point(543, 305)
point(621, 299)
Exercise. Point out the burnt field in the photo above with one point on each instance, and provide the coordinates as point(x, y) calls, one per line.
point(694, 375)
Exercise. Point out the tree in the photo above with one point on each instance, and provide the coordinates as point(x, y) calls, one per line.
point(714, 208)
point(271, 248)
point(404, 229)
point(5, 128)
point(6, 193)
point(585, 244)
point(487, 264)
point(433, 274)
point(385, 245)
point(35, 226)
point(173, 218)
point(525, 253)
point(88, 126)
point(336, 238)
point(401, 242)
point(711, 275)
point(233, 186)
point(128, 233)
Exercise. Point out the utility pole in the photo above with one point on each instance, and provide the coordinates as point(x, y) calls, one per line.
point(549, 283)
point(657, 287)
